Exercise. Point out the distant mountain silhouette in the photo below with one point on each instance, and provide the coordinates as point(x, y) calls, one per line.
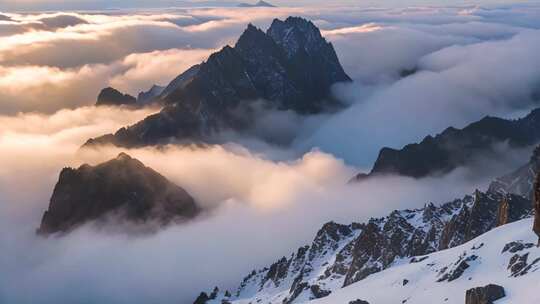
point(112, 97)
point(456, 147)
point(258, 4)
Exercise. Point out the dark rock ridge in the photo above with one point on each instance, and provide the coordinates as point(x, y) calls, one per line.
point(456, 147)
point(123, 188)
point(112, 97)
point(484, 295)
point(290, 67)
point(341, 255)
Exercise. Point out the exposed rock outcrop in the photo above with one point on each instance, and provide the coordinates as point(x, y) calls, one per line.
point(457, 147)
point(112, 97)
point(484, 295)
point(511, 208)
point(290, 67)
point(122, 188)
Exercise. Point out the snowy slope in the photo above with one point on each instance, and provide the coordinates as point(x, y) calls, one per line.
point(491, 265)
point(342, 255)
point(360, 253)
point(505, 256)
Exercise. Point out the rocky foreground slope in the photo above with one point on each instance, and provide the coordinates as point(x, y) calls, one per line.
point(288, 67)
point(457, 147)
point(343, 255)
point(122, 189)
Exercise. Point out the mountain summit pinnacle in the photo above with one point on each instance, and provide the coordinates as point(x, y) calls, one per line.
point(290, 67)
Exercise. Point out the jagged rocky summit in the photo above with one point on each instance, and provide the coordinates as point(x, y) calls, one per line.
point(342, 255)
point(290, 67)
point(122, 189)
point(457, 147)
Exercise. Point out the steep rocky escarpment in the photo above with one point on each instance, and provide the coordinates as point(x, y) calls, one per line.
point(290, 67)
point(457, 147)
point(123, 188)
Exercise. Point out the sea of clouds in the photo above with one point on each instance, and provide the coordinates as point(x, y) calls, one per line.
point(264, 200)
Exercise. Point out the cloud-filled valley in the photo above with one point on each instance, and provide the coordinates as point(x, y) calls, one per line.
point(416, 71)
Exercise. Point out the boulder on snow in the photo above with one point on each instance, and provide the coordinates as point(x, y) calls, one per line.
point(358, 302)
point(484, 295)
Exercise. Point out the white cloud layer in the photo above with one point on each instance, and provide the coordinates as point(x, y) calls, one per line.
point(255, 215)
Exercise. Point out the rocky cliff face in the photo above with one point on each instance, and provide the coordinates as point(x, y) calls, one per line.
point(123, 188)
point(290, 67)
point(112, 97)
point(453, 147)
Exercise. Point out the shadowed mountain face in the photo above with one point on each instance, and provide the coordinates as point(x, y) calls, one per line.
point(123, 188)
point(454, 147)
point(258, 4)
point(290, 67)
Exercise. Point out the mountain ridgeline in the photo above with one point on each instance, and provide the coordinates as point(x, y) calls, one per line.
point(290, 67)
point(457, 147)
point(341, 255)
